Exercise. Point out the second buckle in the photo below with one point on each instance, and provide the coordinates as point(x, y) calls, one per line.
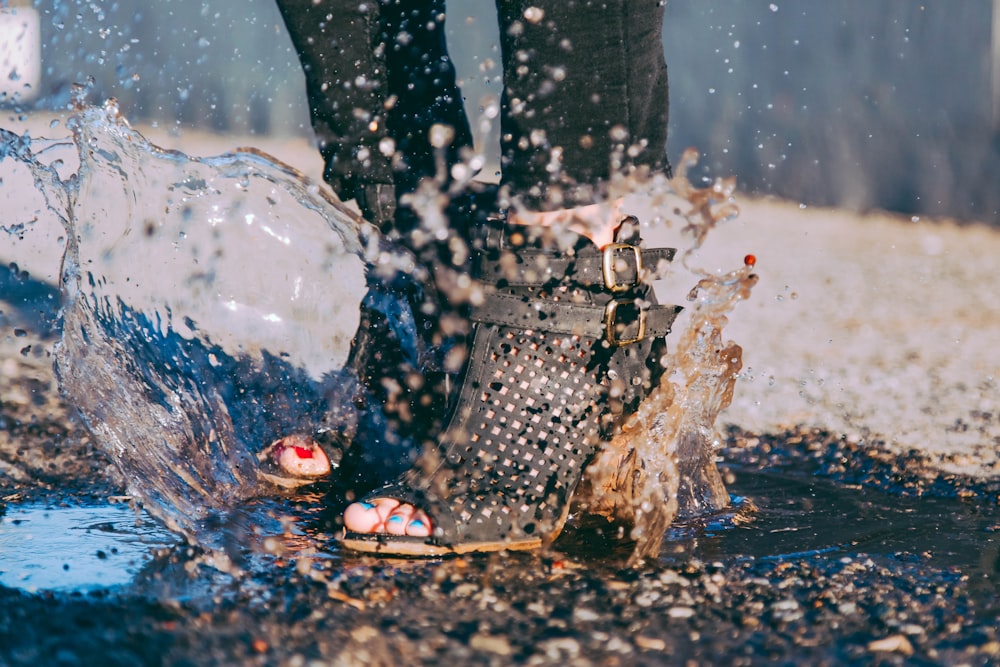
point(611, 323)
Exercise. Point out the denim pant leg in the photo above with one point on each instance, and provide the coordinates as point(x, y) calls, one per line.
point(585, 93)
point(585, 96)
point(378, 77)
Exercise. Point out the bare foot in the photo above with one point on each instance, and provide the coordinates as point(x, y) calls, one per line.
point(387, 515)
point(296, 456)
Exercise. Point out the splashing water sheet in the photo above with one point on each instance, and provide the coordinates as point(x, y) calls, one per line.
point(208, 309)
point(200, 323)
point(210, 306)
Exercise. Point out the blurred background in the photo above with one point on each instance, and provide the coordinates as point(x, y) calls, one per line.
point(857, 103)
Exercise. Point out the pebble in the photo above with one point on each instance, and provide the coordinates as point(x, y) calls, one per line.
point(465, 590)
point(892, 644)
point(650, 643)
point(364, 634)
point(491, 644)
point(647, 598)
point(847, 608)
point(556, 648)
point(538, 609)
point(785, 605)
point(617, 645)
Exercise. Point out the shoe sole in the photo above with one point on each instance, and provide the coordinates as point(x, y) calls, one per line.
point(418, 547)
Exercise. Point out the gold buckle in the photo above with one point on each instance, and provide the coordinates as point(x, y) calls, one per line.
point(611, 321)
point(608, 267)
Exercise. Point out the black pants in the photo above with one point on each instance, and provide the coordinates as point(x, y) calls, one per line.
point(585, 93)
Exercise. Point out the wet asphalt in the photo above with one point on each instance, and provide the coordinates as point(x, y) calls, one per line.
point(765, 583)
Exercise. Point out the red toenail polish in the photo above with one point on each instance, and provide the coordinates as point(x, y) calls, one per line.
point(303, 453)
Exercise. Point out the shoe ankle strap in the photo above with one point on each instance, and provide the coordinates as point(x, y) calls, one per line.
point(619, 267)
point(619, 322)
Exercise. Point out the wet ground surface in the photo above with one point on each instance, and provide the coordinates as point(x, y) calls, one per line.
point(842, 554)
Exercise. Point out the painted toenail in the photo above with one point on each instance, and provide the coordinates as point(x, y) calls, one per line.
point(418, 523)
point(367, 505)
point(303, 452)
point(395, 518)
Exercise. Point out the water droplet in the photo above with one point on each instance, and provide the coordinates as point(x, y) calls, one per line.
point(534, 15)
point(441, 135)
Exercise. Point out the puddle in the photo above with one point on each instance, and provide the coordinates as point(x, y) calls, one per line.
point(76, 548)
point(798, 517)
point(806, 515)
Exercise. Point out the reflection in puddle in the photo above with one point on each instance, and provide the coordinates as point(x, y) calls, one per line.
point(75, 548)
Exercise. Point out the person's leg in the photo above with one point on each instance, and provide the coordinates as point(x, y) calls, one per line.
point(379, 83)
point(585, 100)
point(378, 78)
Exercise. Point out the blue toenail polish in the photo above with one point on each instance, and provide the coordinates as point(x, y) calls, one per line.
point(395, 518)
point(366, 505)
point(418, 523)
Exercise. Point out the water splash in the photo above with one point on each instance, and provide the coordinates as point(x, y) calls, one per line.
point(199, 321)
point(210, 308)
point(662, 464)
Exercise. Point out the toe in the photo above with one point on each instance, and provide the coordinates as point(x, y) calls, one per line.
point(399, 521)
point(299, 456)
point(386, 515)
point(419, 526)
point(369, 517)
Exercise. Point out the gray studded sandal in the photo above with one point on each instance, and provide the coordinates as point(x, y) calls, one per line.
point(566, 341)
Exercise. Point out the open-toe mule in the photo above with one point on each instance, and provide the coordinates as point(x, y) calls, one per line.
point(567, 339)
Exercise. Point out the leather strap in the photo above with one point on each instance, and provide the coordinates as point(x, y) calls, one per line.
point(535, 267)
point(569, 318)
